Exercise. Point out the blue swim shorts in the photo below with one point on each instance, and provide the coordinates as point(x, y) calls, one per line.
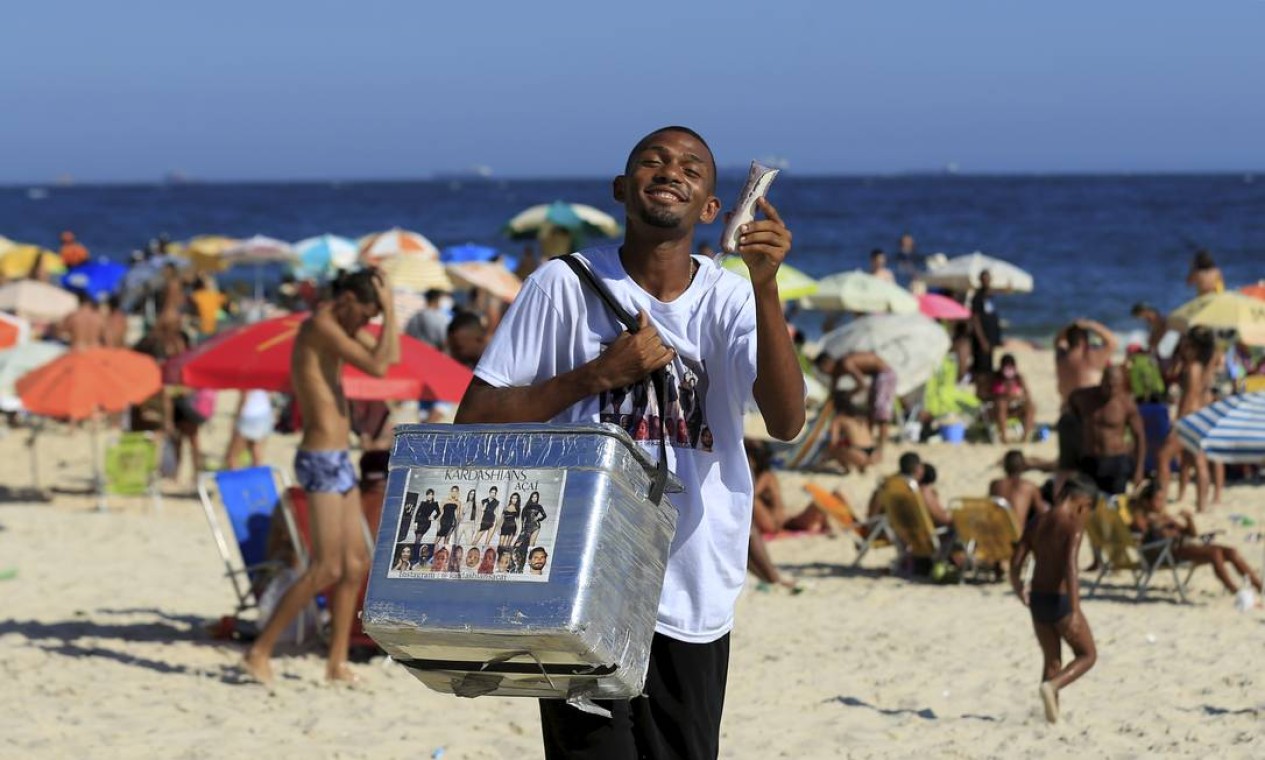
point(324, 471)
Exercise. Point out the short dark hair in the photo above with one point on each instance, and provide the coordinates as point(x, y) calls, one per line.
point(908, 463)
point(540, 549)
point(1076, 335)
point(1140, 308)
point(1007, 359)
point(433, 295)
point(1203, 341)
point(874, 254)
point(928, 475)
point(85, 298)
point(362, 284)
point(1078, 484)
point(645, 141)
point(1203, 260)
point(465, 320)
point(1013, 463)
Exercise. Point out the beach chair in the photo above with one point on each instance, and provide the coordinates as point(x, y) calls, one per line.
point(131, 468)
point(248, 500)
point(1122, 549)
point(805, 452)
point(865, 534)
point(917, 538)
point(987, 530)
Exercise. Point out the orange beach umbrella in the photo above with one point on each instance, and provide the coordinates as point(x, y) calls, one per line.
point(78, 384)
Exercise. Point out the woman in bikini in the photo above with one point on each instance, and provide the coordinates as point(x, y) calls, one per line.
point(851, 442)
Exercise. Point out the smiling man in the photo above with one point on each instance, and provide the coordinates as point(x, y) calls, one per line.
point(560, 356)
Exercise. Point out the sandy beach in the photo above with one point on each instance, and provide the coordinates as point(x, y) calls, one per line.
point(104, 652)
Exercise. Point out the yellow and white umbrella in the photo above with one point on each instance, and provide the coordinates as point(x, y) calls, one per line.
point(207, 252)
point(1224, 311)
point(416, 273)
point(792, 284)
point(18, 260)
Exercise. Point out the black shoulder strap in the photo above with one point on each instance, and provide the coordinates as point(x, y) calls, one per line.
point(658, 378)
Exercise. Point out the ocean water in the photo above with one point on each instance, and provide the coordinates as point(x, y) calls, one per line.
point(1095, 244)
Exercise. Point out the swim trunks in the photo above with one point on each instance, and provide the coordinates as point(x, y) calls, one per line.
point(324, 471)
point(1048, 606)
point(1070, 434)
point(1111, 474)
point(882, 396)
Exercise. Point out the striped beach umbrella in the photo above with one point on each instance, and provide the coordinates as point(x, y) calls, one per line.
point(1231, 430)
point(324, 253)
point(379, 246)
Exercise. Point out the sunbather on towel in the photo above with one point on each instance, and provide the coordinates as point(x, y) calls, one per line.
point(1053, 539)
point(1150, 519)
point(1023, 496)
point(769, 514)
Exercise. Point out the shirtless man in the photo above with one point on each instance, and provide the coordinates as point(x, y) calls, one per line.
point(330, 338)
point(115, 330)
point(1106, 411)
point(83, 328)
point(1194, 378)
point(1054, 539)
point(1077, 365)
point(871, 372)
point(1023, 496)
point(174, 298)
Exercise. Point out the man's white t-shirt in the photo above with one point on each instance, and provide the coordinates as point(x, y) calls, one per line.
point(556, 324)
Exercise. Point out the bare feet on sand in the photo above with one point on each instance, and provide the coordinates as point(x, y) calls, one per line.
point(1050, 698)
point(257, 667)
point(343, 674)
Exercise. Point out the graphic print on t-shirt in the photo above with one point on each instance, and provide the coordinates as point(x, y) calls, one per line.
point(636, 410)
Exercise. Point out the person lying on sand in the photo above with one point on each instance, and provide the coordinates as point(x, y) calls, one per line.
point(769, 513)
point(1150, 519)
point(1053, 540)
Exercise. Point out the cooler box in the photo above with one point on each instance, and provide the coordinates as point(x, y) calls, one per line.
point(538, 566)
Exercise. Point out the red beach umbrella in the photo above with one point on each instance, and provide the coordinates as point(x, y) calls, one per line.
point(258, 356)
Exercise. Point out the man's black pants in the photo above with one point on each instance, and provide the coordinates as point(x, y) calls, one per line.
point(679, 716)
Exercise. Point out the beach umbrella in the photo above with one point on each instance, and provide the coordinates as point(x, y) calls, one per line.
point(489, 276)
point(395, 242)
point(1255, 291)
point(18, 261)
point(457, 254)
point(416, 273)
point(258, 251)
point(911, 344)
point(961, 274)
point(99, 279)
point(1224, 311)
point(937, 306)
point(578, 219)
point(5, 244)
point(37, 301)
point(13, 330)
point(791, 283)
point(1230, 430)
point(81, 384)
point(205, 252)
point(19, 360)
point(861, 292)
point(258, 356)
point(321, 254)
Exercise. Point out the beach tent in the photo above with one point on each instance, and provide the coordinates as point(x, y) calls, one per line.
point(860, 292)
point(792, 284)
point(911, 344)
point(961, 274)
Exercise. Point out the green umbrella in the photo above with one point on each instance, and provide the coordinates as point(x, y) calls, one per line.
point(791, 283)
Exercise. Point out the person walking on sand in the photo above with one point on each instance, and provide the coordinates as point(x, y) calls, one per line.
point(558, 356)
point(326, 341)
point(1053, 598)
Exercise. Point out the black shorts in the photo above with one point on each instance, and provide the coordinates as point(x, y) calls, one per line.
point(1111, 474)
point(1048, 606)
point(679, 716)
point(981, 361)
point(1071, 441)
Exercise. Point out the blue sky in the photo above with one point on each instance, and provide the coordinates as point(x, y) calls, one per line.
point(344, 90)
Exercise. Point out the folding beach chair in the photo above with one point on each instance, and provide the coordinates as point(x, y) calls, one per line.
point(131, 468)
point(249, 499)
point(917, 538)
point(1122, 549)
point(808, 448)
point(987, 530)
point(872, 533)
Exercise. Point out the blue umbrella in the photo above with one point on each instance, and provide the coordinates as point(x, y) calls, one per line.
point(98, 279)
point(461, 254)
point(1231, 430)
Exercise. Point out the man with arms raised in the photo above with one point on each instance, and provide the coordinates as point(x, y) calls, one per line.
point(559, 355)
point(1077, 364)
point(1106, 411)
point(322, 464)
